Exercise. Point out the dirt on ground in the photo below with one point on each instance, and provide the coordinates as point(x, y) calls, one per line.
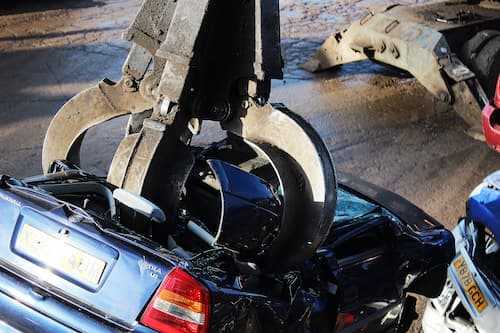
point(379, 124)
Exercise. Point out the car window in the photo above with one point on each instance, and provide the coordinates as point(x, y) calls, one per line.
point(350, 207)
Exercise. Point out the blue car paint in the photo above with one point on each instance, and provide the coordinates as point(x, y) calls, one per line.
point(127, 282)
point(484, 207)
point(253, 306)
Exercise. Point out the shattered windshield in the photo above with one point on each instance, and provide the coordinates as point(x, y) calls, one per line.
point(351, 207)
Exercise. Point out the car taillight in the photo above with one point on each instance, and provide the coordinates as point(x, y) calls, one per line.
point(181, 304)
point(344, 320)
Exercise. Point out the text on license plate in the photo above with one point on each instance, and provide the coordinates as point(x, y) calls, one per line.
point(470, 286)
point(60, 255)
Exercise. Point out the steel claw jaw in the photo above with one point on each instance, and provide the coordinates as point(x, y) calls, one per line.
point(93, 106)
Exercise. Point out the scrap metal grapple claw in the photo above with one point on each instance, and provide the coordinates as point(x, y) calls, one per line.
point(196, 60)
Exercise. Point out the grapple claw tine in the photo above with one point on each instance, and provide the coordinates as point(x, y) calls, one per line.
point(104, 101)
point(296, 149)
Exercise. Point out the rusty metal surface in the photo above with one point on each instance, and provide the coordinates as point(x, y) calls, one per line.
point(445, 15)
point(198, 60)
point(390, 40)
point(169, 63)
point(467, 107)
point(416, 39)
point(286, 131)
point(151, 24)
point(93, 106)
point(178, 49)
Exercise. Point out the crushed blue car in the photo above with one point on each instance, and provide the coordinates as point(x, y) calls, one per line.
point(469, 300)
point(79, 255)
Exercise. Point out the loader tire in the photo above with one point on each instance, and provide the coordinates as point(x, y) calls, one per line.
point(488, 63)
point(482, 54)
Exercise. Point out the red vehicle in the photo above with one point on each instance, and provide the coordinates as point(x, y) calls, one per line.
point(491, 120)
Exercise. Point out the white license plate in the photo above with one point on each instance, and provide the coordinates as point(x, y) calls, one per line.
point(59, 255)
point(474, 294)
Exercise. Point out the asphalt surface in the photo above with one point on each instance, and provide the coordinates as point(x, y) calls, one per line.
point(379, 124)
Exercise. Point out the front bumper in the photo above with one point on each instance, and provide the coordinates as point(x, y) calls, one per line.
point(438, 315)
point(441, 313)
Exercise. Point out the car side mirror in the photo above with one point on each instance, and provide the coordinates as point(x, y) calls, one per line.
point(139, 204)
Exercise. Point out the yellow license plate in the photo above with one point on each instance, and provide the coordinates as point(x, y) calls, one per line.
point(470, 286)
point(59, 255)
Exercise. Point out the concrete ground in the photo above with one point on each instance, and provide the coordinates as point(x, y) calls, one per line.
point(379, 124)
